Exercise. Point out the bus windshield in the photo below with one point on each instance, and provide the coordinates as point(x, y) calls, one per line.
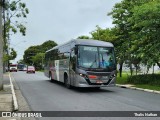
point(95, 57)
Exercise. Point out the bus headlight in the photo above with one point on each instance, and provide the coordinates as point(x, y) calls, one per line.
point(83, 75)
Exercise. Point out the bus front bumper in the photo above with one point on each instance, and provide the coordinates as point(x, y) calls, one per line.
point(85, 84)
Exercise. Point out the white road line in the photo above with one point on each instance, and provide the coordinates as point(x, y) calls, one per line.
point(15, 104)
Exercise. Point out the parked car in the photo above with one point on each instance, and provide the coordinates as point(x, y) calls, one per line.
point(30, 69)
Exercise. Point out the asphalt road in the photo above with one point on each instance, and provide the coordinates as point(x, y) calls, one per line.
point(43, 95)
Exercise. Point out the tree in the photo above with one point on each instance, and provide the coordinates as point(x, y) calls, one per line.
point(112, 35)
point(38, 60)
point(104, 34)
point(21, 61)
point(14, 9)
point(48, 45)
point(30, 52)
point(34, 55)
point(11, 10)
point(13, 54)
point(83, 37)
point(146, 25)
point(121, 13)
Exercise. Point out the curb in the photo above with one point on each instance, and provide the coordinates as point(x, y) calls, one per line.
point(135, 88)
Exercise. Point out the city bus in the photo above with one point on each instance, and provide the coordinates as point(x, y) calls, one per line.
point(21, 67)
point(82, 63)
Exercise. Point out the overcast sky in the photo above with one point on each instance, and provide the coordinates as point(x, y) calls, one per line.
point(61, 20)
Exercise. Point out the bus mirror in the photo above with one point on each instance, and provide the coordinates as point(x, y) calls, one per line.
point(76, 50)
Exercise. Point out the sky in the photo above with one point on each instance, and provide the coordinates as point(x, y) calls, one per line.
point(60, 21)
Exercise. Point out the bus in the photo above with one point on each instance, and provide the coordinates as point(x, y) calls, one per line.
point(21, 67)
point(13, 67)
point(82, 63)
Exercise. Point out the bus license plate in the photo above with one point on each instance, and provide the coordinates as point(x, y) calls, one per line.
point(99, 81)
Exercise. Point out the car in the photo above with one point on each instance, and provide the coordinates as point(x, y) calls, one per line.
point(30, 69)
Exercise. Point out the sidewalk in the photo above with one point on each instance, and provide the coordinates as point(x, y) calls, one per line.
point(6, 99)
point(9, 98)
point(6, 95)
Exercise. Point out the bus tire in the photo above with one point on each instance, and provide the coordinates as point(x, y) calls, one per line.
point(66, 82)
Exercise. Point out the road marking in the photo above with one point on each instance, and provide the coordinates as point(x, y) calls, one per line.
point(15, 104)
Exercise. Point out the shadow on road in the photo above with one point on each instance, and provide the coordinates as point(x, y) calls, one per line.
point(82, 90)
point(90, 90)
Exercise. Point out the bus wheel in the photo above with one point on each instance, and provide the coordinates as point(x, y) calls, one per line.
point(66, 82)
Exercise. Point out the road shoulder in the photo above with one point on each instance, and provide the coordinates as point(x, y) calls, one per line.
point(22, 102)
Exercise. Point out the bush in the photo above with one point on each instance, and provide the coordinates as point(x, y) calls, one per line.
point(150, 79)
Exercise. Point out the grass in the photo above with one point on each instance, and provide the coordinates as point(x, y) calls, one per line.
point(146, 82)
point(123, 79)
point(151, 87)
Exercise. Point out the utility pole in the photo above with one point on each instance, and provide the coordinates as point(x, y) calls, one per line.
point(1, 48)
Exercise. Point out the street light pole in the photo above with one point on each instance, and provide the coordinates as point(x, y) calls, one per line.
point(1, 49)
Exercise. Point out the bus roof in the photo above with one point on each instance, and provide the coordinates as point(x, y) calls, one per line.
point(93, 42)
point(89, 42)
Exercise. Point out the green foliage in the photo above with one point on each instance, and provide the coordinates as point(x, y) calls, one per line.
point(137, 31)
point(38, 57)
point(30, 52)
point(150, 79)
point(34, 55)
point(21, 61)
point(11, 56)
point(103, 34)
point(5, 57)
point(123, 79)
point(120, 14)
point(13, 9)
point(38, 60)
point(48, 45)
point(83, 37)
point(146, 22)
